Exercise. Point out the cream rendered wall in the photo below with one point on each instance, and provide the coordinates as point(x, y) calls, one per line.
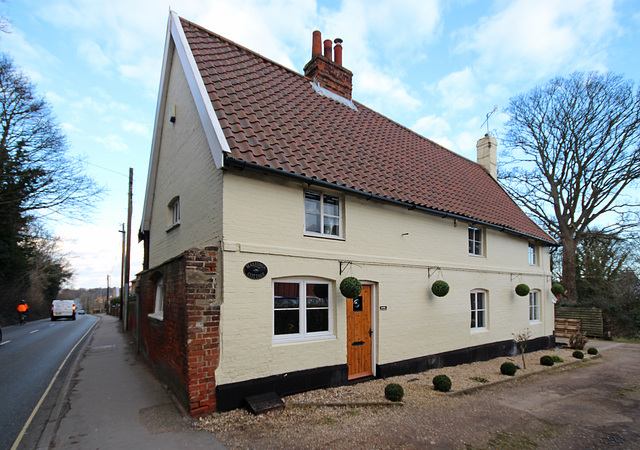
point(264, 221)
point(185, 169)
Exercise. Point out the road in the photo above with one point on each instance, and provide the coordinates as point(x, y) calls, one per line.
point(30, 357)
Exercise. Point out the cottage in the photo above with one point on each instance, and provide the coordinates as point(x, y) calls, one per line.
point(267, 188)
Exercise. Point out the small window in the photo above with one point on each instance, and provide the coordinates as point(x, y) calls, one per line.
point(533, 254)
point(475, 241)
point(173, 213)
point(322, 214)
point(158, 311)
point(534, 306)
point(302, 309)
point(478, 310)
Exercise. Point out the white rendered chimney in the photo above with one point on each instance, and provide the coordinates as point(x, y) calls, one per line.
point(488, 155)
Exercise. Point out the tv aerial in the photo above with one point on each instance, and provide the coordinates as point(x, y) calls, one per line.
point(489, 114)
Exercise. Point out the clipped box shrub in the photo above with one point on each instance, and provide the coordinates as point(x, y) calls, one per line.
point(393, 392)
point(557, 358)
point(592, 351)
point(546, 360)
point(578, 354)
point(508, 368)
point(442, 383)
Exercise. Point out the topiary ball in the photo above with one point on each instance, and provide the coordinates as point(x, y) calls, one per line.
point(546, 360)
point(522, 290)
point(557, 358)
point(442, 383)
point(557, 289)
point(578, 354)
point(393, 392)
point(350, 287)
point(440, 288)
point(508, 368)
point(592, 351)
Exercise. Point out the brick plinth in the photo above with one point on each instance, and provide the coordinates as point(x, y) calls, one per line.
point(184, 346)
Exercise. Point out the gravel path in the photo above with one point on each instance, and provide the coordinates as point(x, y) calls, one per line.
point(365, 419)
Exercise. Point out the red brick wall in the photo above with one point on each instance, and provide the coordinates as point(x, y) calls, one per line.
point(183, 348)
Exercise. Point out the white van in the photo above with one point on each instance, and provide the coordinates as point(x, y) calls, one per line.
point(63, 308)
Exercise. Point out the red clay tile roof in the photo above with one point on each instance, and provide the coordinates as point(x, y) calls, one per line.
point(272, 116)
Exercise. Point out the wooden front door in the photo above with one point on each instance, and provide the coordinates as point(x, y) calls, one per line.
point(359, 334)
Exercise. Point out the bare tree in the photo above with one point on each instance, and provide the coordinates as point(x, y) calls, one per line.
point(573, 148)
point(37, 174)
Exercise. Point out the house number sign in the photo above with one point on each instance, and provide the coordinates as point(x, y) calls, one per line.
point(255, 270)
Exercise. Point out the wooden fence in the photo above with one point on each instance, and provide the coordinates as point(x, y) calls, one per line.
point(590, 319)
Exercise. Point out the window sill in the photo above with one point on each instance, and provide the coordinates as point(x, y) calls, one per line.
point(173, 226)
point(476, 256)
point(479, 330)
point(324, 236)
point(157, 316)
point(297, 339)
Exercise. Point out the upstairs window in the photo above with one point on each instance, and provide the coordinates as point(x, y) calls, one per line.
point(475, 241)
point(322, 214)
point(173, 213)
point(533, 254)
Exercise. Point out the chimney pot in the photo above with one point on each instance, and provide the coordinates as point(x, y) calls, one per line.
point(328, 49)
point(338, 51)
point(316, 49)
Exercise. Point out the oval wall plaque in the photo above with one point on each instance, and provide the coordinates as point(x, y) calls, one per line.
point(255, 270)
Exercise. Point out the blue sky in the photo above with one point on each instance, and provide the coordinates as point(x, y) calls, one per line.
point(437, 67)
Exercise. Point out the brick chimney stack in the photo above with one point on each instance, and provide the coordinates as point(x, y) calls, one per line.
point(326, 71)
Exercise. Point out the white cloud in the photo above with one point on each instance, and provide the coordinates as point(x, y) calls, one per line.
point(538, 39)
point(112, 142)
point(136, 127)
point(458, 90)
point(91, 52)
point(431, 125)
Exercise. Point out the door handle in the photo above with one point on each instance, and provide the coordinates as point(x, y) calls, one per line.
point(370, 333)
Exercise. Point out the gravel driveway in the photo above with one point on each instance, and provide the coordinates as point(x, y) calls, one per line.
point(595, 404)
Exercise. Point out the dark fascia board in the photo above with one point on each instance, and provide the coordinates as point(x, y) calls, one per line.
point(229, 161)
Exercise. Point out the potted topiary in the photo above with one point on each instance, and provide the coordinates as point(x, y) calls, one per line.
point(350, 287)
point(440, 288)
point(522, 290)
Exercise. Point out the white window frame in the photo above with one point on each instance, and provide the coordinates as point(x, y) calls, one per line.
point(173, 213)
point(158, 309)
point(473, 240)
point(533, 254)
point(303, 335)
point(534, 306)
point(473, 295)
point(322, 215)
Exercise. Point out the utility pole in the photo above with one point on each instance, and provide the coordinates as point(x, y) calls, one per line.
point(128, 253)
point(107, 305)
point(122, 273)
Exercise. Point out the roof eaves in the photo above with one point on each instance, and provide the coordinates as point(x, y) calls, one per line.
point(241, 164)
